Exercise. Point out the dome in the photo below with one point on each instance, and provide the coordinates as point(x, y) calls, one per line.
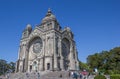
point(49, 16)
point(29, 27)
point(67, 28)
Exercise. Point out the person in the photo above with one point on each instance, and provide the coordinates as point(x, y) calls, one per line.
point(88, 75)
point(27, 75)
point(75, 75)
point(38, 75)
point(80, 76)
point(8, 75)
point(72, 74)
point(84, 73)
point(69, 74)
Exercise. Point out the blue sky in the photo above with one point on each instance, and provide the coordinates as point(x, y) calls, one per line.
point(95, 23)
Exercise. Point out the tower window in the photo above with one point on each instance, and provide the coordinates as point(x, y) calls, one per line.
point(49, 24)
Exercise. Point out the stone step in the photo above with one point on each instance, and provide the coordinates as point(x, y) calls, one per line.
point(43, 75)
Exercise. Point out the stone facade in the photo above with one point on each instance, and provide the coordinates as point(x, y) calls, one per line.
point(47, 47)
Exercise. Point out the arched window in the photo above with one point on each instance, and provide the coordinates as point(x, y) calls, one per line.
point(65, 52)
point(65, 47)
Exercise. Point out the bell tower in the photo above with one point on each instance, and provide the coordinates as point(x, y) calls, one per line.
point(50, 21)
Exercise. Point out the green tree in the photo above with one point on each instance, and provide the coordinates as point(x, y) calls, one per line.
point(6, 67)
point(12, 66)
point(107, 61)
point(83, 66)
point(3, 66)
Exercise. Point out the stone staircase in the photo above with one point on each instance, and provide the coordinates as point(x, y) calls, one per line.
point(43, 75)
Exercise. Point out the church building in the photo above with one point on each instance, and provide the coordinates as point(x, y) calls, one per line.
point(47, 47)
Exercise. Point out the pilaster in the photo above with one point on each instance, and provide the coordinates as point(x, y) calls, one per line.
point(51, 64)
point(41, 64)
point(55, 55)
point(44, 50)
point(71, 58)
point(26, 58)
point(61, 56)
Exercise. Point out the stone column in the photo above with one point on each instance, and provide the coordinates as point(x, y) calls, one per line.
point(62, 64)
point(26, 57)
point(55, 55)
point(76, 58)
point(38, 64)
point(71, 58)
point(23, 58)
point(41, 64)
point(43, 59)
point(17, 63)
point(61, 56)
point(21, 66)
point(17, 66)
point(51, 64)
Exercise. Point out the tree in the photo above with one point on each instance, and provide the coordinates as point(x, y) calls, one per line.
point(3, 66)
point(12, 66)
point(83, 66)
point(6, 67)
point(106, 60)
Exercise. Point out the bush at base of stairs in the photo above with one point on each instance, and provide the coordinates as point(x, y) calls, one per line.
point(100, 77)
point(116, 76)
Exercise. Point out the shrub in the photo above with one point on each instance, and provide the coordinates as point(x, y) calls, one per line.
point(99, 77)
point(115, 76)
point(116, 71)
point(109, 72)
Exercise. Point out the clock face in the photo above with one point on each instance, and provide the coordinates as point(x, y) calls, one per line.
point(37, 46)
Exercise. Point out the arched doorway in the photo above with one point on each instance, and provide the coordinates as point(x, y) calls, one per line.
point(35, 66)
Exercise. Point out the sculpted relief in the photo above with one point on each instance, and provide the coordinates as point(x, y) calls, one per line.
point(37, 46)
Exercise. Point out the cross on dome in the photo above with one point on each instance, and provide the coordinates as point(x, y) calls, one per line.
point(49, 16)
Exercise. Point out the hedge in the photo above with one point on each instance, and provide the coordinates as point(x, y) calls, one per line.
point(99, 77)
point(115, 76)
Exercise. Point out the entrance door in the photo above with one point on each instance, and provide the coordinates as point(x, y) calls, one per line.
point(48, 66)
point(35, 66)
point(30, 68)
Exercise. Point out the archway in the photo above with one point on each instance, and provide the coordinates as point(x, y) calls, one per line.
point(35, 66)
